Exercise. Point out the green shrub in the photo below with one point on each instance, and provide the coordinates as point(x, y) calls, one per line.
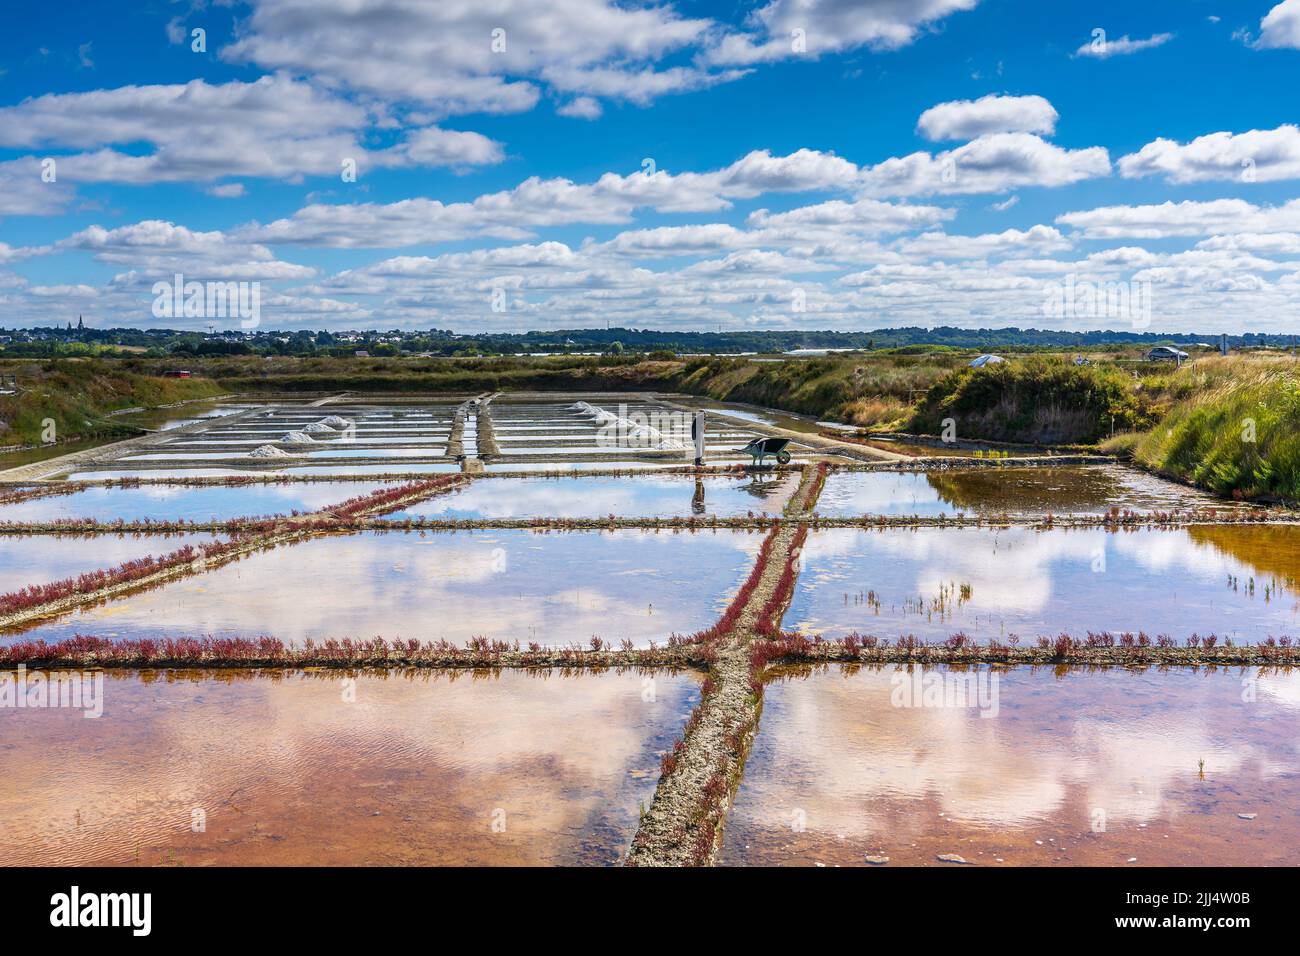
point(1038, 399)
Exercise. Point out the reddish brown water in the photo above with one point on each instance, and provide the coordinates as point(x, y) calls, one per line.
point(512, 768)
point(1071, 767)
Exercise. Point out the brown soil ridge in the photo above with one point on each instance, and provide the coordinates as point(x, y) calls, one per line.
point(682, 657)
point(814, 440)
point(487, 436)
point(1076, 655)
point(683, 824)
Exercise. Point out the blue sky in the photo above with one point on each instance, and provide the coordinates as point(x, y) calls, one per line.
point(788, 164)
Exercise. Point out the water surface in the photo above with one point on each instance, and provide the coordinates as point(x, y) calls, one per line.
point(342, 471)
point(42, 559)
point(1232, 581)
point(1091, 489)
point(332, 769)
point(1075, 767)
point(553, 589)
point(662, 496)
point(181, 502)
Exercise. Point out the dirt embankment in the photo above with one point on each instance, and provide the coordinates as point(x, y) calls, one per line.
point(71, 399)
point(683, 825)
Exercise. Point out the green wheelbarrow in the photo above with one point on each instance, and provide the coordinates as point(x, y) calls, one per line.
point(760, 448)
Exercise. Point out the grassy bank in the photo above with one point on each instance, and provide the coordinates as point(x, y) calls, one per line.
point(77, 395)
point(1236, 431)
point(1040, 400)
point(864, 390)
point(858, 390)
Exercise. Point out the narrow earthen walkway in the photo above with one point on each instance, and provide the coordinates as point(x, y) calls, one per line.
point(683, 825)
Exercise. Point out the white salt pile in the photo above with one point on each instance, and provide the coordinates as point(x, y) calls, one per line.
point(334, 421)
point(297, 438)
point(268, 451)
point(650, 436)
point(633, 434)
point(318, 428)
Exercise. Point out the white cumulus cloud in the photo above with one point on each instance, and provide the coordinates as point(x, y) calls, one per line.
point(1281, 26)
point(968, 119)
point(1253, 156)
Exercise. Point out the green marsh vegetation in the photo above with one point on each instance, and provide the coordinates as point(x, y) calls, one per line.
point(1233, 427)
point(1040, 400)
point(76, 394)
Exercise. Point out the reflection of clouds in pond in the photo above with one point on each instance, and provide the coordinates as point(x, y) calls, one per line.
point(43, 559)
point(1168, 550)
point(849, 736)
point(559, 588)
point(530, 499)
point(567, 758)
point(1280, 688)
point(833, 745)
point(1011, 568)
point(645, 495)
point(1060, 490)
point(854, 493)
point(181, 502)
point(1028, 582)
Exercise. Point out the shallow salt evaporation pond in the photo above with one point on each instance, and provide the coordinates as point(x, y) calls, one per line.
point(554, 589)
point(42, 559)
point(1228, 580)
point(602, 464)
point(187, 503)
point(397, 467)
point(1091, 489)
point(648, 496)
point(303, 451)
point(1104, 767)
point(296, 768)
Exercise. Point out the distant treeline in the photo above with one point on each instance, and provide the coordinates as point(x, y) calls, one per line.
point(647, 340)
point(302, 342)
